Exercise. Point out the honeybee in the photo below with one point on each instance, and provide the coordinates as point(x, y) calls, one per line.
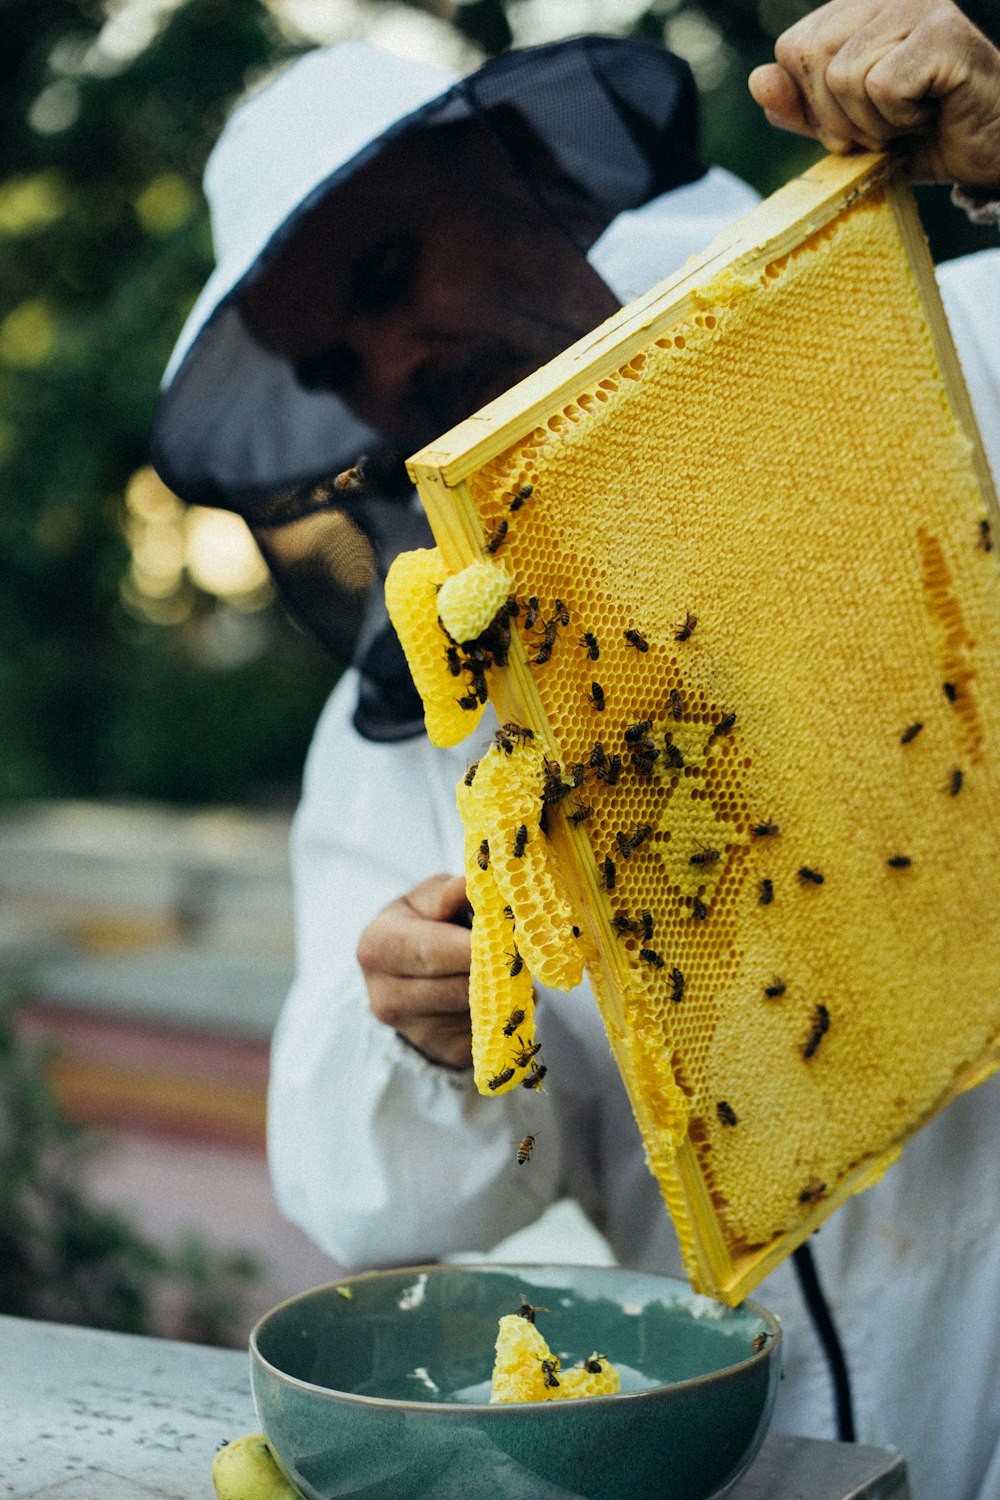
point(610, 771)
point(503, 741)
point(724, 725)
point(468, 701)
point(528, 1050)
point(677, 981)
point(685, 630)
point(637, 731)
point(775, 988)
point(520, 841)
point(766, 891)
point(513, 1022)
point(524, 492)
point(559, 612)
point(577, 772)
point(554, 789)
point(759, 1340)
point(676, 704)
point(496, 537)
point(950, 691)
point(580, 814)
point(534, 1078)
point(699, 911)
point(519, 731)
point(500, 1079)
point(593, 1364)
point(609, 873)
point(764, 830)
point(454, 660)
point(598, 757)
point(531, 613)
point(516, 963)
point(596, 696)
point(820, 1027)
point(524, 1151)
point(726, 1113)
point(470, 774)
point(910, 733)
point(483, 855)
point(526, 1310)
point(705, 856)
point(644, 755)
point(899, 862)
point(956, 782)
point(589, 643)
point(351, 481)
point(810, 876)
point(674, 757)
point(643, 832)
point(623, 923)
point(548, 641)
point(638, 641)
point(479, 682)
point(647, 925)
point(624, 844)
point(650, 956)
point(549, 1368)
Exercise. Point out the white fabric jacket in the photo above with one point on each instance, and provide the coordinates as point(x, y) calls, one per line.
point(382, 1157)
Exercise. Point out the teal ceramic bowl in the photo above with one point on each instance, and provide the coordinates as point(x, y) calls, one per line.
point(383, 1393)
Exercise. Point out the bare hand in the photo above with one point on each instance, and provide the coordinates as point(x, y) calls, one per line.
point(415, 958)
point(866, 72)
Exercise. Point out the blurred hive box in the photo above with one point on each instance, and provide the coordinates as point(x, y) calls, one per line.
point(767, 470)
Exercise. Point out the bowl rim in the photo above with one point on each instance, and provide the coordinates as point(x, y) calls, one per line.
point(457, 1409)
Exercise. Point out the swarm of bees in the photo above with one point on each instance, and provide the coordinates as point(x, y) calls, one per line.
point(646, 749)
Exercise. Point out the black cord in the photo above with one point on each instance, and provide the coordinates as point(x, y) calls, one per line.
point(826, 1331)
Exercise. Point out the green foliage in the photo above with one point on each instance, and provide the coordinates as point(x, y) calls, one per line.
point(66, 1258)
point(104, 245)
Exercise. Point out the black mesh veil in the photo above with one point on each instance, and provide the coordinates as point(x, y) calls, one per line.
point(440, 264)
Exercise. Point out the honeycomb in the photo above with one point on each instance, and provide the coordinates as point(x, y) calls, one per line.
point(758, 635)
point(525, 1369)
point(452, 705)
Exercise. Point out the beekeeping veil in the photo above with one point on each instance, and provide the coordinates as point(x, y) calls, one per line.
point(394, 247)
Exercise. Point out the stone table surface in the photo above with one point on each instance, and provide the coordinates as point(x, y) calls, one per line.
point(106, 1416)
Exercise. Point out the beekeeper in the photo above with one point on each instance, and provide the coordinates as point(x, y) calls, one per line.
point(395, 247)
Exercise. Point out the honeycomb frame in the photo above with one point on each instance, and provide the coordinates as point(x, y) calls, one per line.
point(467, 480)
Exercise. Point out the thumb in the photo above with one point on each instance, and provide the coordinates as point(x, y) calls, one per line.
point(438, 898)
point(778, 95)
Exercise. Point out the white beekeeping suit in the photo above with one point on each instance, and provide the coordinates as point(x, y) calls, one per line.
point(379, 1154)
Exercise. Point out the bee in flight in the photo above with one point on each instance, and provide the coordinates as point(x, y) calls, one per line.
point(526, 1310)
point(524, 1151)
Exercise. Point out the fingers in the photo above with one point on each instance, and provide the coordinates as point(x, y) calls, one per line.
point(862, 73)
point(415, 961)
point(438, 898)
point(778, 96)
point(415, 938)
point(820, 58)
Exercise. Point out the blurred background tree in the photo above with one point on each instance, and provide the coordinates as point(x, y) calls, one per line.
point(142, 652)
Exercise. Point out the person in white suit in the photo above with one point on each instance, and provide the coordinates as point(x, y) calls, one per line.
point(395, 247)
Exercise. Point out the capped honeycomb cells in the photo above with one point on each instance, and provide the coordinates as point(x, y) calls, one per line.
point(470, 599)
point(743, 495)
